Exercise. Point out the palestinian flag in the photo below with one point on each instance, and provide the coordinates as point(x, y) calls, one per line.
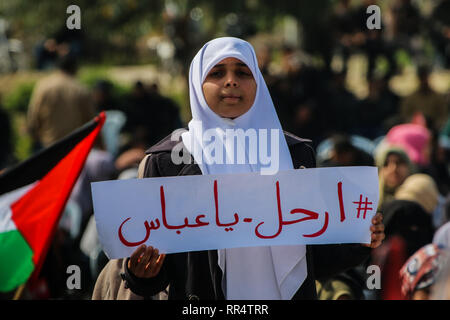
point(32, 198)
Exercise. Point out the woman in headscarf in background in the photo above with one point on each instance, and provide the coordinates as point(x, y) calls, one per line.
point(394, 166)
point(415, 140)
point(422, 188)
point(420, 273)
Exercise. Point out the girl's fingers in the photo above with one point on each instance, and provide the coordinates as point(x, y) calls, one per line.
point(154, 265)
point(377, 238)
point(378, 218)
point(378, 235)
point(144, 260)
point(151, 262)
point(377, 231)
point(135, 257)
point(377, 228)
point(159, 263)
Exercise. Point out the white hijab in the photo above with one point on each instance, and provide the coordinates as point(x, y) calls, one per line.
point(252, 272)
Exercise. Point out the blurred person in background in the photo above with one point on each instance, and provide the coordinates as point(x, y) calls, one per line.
point(46, 54)
point(409, 220)
point(405, 26)
point(378, 111)
point(425, 100)
point(102, 95)
point(64, 42)
point(127, 162)
point(343, 25)
point(301, 96)
point(372, 41)
point(394, 166)
point(59, 104)
point(341, 105)
point(264, 54)
point(422, 189)
point(291, 87)
point(423, 148)
point(150, 115)
point(343, 152)
point(420, 273)
point(415, 140)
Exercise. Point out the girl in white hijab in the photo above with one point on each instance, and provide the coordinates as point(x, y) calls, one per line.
point(227, 91)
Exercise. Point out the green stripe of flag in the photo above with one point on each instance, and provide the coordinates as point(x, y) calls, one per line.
point(16, 263)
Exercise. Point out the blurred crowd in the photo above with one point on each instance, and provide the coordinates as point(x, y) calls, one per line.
point(406, 137)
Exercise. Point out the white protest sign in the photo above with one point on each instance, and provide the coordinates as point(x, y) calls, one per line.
point(206, 212)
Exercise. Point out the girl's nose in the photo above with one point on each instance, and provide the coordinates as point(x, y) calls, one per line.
point(231, 82)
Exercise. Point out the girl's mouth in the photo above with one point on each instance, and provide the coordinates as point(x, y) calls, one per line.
point(231, 98)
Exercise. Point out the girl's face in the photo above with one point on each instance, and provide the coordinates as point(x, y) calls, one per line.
point(229, 88)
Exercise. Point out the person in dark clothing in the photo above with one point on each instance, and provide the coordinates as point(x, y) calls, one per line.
point(371, 41)
point(406, 29)
point(65, 42)
point(410, 221)
point(227, 89)
point(343, 23)
point(378, 111)
point(300, 102)
point(103, 97)
point(340, 104)
point(407, 21)
point(46, 54)
point(425, 100)
point(345, 153)
point(150, 116)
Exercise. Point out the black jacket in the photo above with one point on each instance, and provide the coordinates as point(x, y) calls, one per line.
point(197, 275)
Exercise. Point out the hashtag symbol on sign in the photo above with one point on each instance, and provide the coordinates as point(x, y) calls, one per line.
point(362, 206)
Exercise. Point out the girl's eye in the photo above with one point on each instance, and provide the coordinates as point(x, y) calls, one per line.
point(244, 73)
point(216, 74)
